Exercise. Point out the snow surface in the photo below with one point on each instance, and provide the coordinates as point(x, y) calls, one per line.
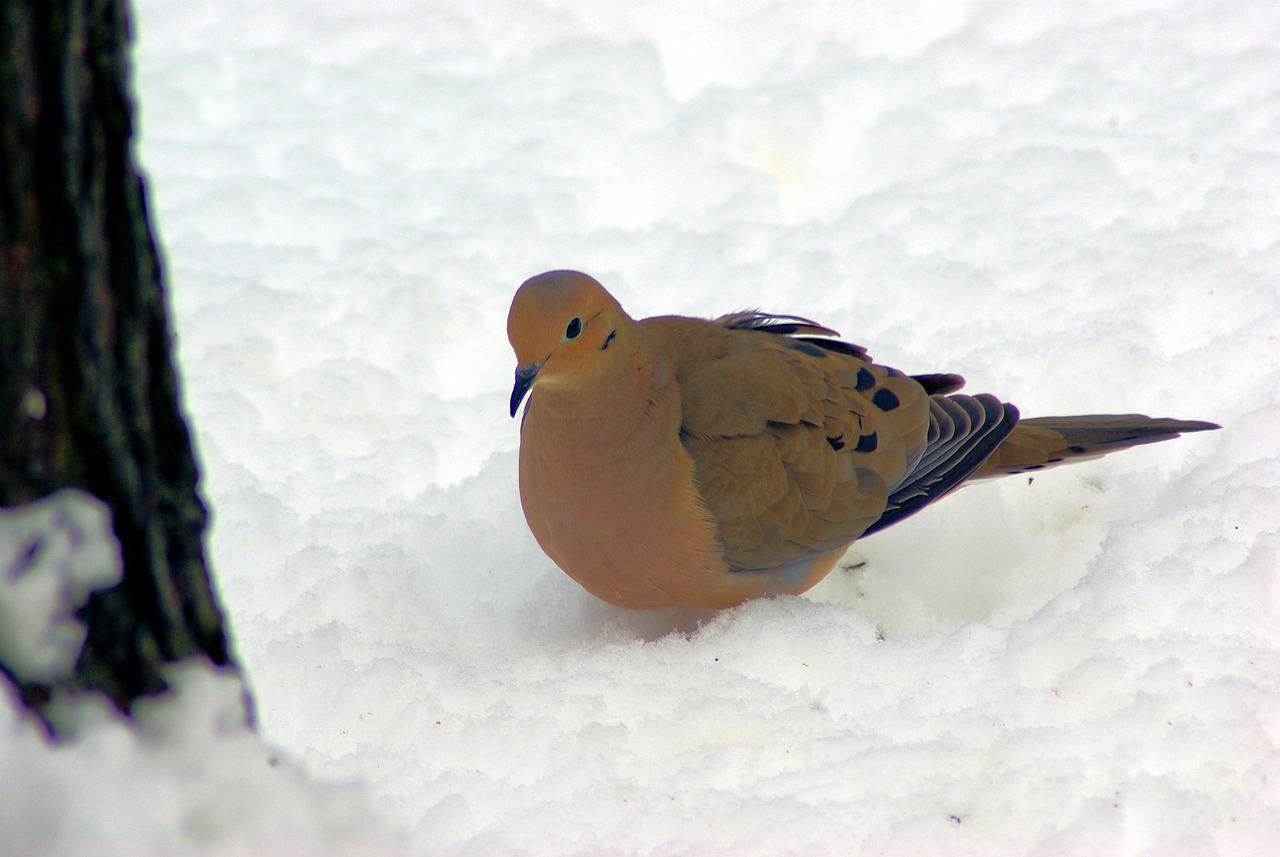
point(54, 552)
point(1072, 203)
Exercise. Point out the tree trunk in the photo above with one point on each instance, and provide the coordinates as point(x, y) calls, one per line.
point(88, 389)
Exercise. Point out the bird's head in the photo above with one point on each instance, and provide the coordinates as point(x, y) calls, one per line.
point(559, 324)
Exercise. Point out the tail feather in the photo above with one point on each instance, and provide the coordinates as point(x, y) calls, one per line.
point(1044, 442)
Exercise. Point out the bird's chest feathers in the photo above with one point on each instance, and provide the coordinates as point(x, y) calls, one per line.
point(606, 436)
point(604, 479)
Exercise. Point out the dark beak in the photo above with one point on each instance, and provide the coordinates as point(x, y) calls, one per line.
point(524, 380)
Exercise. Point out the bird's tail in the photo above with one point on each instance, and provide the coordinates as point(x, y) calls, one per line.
point(1042, 442)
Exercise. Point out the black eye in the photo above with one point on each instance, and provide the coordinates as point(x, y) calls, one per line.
point(573, 329)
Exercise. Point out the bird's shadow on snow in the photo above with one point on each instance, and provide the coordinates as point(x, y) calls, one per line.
point(646, 625)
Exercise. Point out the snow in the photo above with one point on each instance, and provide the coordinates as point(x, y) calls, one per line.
point(1072, 204)
point(187, 776)
point(54, 553)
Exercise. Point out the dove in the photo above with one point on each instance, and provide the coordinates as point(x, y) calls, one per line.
point(686, 462)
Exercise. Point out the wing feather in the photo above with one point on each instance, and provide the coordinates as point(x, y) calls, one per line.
point(795, 442)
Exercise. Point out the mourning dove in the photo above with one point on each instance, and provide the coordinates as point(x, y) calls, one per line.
point(688, 462)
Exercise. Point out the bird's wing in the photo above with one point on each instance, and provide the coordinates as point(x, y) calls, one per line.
point(963, 433)
point(797, 441)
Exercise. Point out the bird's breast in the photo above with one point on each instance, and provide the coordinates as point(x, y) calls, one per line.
point(610, 496)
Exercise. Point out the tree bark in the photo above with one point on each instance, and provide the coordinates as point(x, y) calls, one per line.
point(89, 393)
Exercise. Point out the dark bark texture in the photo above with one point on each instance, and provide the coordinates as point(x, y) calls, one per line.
point(88, 389)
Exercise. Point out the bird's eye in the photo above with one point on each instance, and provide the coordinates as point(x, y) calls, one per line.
point(574, 328)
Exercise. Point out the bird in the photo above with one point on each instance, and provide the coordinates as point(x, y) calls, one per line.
point(686, 462)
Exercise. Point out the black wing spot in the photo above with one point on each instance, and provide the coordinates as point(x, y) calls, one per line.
point(939, 384)
point(885, 400)
point(839, 347)
point(867, 443)
point(608, 339)
point(865, 380)
point(837, 443)
point(811, 350)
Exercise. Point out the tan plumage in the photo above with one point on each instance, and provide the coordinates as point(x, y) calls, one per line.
point(678, 461)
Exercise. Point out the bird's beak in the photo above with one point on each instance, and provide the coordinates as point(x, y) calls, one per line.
point(524, 380)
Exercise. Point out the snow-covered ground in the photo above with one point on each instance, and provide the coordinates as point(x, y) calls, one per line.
point(1074, 204)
